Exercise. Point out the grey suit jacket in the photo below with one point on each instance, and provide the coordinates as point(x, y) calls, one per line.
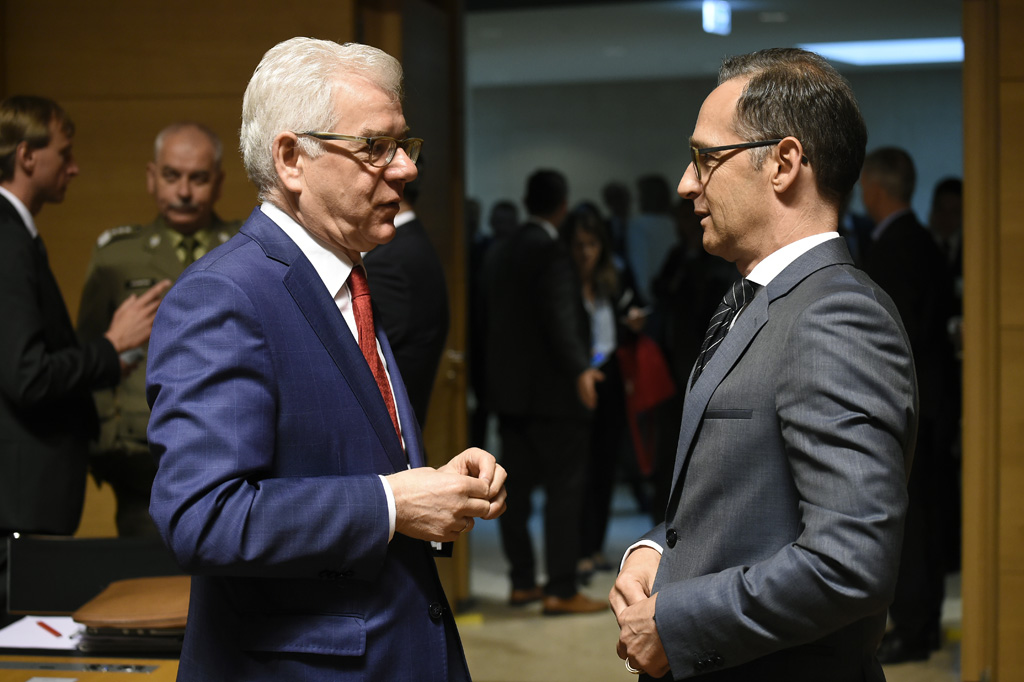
point(785, 520)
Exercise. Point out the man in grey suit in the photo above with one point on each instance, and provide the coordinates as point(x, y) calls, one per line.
point(782, 537)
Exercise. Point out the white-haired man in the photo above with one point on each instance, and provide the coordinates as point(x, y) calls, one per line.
point(290, 475)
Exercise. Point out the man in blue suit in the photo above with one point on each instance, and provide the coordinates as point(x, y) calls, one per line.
point(781, 545)
point(291, 479)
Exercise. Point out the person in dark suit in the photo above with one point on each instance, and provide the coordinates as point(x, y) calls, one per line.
point(291, 479)
point(47, 415)
point(908, 264)
point(408, 286)
point(543, 388)
point(781, 544)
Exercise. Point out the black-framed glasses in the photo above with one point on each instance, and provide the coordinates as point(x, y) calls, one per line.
point(382, 148)
point(696, 154)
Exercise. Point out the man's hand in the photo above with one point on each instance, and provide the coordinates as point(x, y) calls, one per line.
point(635, 319)
point(633, 605)
point(586, 386)
point(639, 642)
point(635, 579)
point(482, 465)
point(133, 320)
point(440, 504)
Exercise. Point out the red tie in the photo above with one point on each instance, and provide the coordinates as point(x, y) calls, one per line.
point(368, 340)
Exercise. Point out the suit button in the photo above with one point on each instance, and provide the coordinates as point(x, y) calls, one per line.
point(436, 611)
point(700, 665)
point(671, 537)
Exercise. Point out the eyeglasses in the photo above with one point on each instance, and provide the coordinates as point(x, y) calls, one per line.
point(382, 148)
point(696, 154)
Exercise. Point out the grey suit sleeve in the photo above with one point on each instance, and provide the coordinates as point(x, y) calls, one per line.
point(845, 398)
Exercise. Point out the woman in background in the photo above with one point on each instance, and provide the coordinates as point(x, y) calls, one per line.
point(614, 314)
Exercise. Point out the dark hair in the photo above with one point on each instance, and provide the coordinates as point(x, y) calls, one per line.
point(26, 118)
point(947, 186)
point(617, 198)
point(893, 170)
point(587, 218)
point(796, 92)
point(655, 196)
point(504, 218)
point(546, 191)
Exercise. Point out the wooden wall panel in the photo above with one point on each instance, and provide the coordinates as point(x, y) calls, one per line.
point(1011, 50)
point(1011, 198)
point(123, 70)
point(124, 49)
point(981, 340)
point(1011, 480)
point(1010, 663)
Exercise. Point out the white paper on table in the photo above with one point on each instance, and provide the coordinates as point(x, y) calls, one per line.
point(27, 633)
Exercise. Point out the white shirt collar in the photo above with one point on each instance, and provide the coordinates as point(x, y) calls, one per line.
point(765, 271)
point(332, 266)
point(548, 227)
point(404, 217)
point(26, 217)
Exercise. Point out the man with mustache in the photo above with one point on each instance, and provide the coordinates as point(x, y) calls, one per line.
point(185, 179)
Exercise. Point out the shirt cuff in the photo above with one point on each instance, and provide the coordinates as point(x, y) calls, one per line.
point(391, 507)
point(637, 545)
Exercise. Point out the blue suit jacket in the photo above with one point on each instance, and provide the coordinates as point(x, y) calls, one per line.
point(785, 519)
point(270, 433)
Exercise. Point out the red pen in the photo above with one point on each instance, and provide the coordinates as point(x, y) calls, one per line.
point(48, 628)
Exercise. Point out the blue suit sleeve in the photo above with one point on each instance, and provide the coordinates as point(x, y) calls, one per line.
point(224, 499)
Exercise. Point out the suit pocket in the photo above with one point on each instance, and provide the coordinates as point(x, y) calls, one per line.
point(728, 414)
point(333, 635)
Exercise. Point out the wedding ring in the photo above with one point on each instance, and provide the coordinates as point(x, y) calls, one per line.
point(465, 527)
point(630, 668)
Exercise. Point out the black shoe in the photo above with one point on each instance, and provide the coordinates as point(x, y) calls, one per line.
point(895, 648)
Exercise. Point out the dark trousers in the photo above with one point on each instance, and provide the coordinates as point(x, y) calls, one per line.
point(607, 442)
point(131, 477)
point(550, 452)
point(916, 609)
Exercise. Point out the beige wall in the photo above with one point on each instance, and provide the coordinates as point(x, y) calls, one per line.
point(993, 574)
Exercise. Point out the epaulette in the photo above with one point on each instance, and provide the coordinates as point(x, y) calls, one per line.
point(116, 233)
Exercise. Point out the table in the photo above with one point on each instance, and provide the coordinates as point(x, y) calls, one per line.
point(23, 667)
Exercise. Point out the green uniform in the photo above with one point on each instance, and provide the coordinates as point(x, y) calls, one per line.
point(129, 260)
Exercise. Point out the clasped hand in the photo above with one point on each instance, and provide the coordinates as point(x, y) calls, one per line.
point(634, 607)
point(439, 504)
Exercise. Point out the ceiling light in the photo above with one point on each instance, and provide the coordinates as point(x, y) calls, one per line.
point(884, 52)
point(717, 17)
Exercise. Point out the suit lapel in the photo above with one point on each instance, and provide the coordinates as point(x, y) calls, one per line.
point(321, 312)
point(747, 325)
point(406, 416)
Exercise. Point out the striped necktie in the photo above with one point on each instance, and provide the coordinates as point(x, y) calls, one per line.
point(739, 295)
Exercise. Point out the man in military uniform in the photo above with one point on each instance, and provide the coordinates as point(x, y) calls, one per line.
point(185, 180)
